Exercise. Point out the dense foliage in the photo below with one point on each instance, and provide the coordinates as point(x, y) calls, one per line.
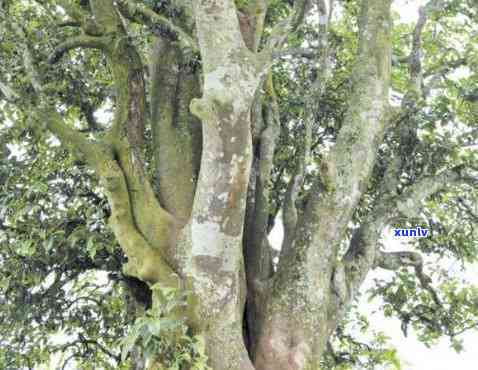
point(64, 298)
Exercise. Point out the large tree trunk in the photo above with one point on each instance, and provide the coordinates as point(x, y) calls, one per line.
point(193, 236)
point(292, 314)
point(212, 238)
point(304, 301)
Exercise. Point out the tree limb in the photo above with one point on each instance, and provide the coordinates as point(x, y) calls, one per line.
point(142, 14)
point(48, 117)
point(397, 260)
point(411, 201)
point(258, 259)
point(146, 261)
point(302, 52)
point(311, 106)
point(282, 30)
point(81, 18)
point(83, 41)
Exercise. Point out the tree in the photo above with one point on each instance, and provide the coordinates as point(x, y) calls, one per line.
point(248, 109)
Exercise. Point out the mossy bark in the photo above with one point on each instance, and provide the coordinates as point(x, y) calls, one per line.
point(298, 324)
point(187, 233)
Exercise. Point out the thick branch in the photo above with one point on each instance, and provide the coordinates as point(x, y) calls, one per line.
point(142, 14)
point(251, 19)
point(258, 258)
point(80, 18)
point(411, 201)
point(345, 172)
point(176, 133)
point(126, 136)
point(145, 261)
point(362, 253)
point(259, 9)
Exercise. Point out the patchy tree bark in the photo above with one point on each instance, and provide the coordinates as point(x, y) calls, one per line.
point(203, 225)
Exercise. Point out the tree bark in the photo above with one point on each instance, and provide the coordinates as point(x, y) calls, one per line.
point(190, 231)
point(212, 239)
point(298, 321)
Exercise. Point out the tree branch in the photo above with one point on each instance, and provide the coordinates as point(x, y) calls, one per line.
point(48, 117)
point(142, 14)
point(83, 41)
point(397, 260)
point(311, 107)
point(411, 201)
point(302, 52)
point(80, 18)
point(146, 261)
point(283, 29)
point(153, 224)
point(362, 253)
point(411, 104)
point(258, 258)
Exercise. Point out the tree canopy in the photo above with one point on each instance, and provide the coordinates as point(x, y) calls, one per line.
point(90, 89)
